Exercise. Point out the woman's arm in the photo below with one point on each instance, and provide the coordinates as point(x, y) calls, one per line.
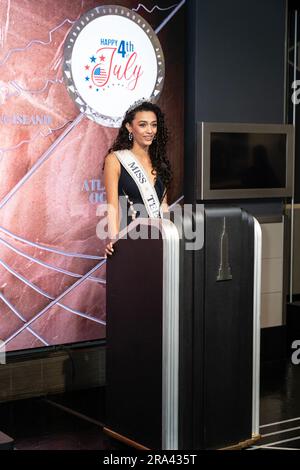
point(111, 180)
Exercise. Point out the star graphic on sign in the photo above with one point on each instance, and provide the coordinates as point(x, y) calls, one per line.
point(87, 67)
point(93, 58)
point(87, 78)
point(102, 58)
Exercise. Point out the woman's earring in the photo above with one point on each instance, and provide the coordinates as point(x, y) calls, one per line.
point(130, 136)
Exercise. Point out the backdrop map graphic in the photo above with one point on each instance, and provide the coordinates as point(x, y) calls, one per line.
point(52, 270)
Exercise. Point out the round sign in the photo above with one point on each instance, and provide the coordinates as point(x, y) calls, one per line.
point(112, 58)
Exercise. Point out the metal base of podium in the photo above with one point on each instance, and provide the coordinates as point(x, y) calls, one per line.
point(129, 442)
point(124, 439)
point(243, 444)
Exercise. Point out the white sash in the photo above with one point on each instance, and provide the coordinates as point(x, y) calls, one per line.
point(138, 174)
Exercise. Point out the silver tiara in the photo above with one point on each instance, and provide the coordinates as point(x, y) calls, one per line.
point(138, 103)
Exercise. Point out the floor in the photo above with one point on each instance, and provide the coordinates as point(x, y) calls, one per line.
point(279, 407)
point(74, 421)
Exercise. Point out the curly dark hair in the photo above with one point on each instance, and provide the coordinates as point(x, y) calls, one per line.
point(157, 149)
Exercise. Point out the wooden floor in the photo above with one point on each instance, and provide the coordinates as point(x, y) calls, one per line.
point(75, 421)
point(279, 407)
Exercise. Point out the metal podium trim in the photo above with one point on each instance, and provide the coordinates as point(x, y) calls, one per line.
point(256, 326)
point(170, 352)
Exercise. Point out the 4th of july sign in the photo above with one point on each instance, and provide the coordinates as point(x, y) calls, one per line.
point(112, 59)
point(127, 72)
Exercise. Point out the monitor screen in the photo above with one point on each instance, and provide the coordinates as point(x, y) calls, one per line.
point(247, 160)
point(244, 160)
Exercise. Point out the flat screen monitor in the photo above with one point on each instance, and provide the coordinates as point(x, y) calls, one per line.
point(244, 160)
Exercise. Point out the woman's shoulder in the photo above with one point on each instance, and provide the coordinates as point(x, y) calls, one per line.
point(112, 158)
point(112, 162)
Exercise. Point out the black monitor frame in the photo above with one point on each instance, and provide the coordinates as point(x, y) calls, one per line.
point(203, 170)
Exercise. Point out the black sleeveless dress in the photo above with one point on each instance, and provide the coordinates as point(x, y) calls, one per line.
point(128, 187)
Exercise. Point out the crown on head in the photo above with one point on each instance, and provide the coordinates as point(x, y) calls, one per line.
point(138, 103)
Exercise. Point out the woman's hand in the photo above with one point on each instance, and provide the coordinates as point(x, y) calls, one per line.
point(109, 249)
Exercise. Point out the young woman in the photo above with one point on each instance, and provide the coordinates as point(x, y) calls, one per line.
point(137, 166)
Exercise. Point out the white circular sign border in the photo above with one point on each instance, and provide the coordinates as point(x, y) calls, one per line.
point(109, 121)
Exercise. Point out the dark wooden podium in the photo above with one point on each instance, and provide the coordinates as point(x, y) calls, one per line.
point(142, 338)
point(183, 334)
